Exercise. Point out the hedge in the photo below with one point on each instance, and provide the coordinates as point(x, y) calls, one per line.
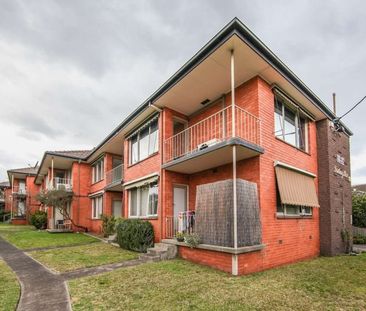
point(135, 235)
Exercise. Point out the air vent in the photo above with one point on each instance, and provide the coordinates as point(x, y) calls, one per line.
point(206, 101)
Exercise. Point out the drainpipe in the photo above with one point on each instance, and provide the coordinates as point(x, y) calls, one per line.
point(52, 172)
point(78, 214)
point(161, 134)
point(12, 196)
point(233, 125)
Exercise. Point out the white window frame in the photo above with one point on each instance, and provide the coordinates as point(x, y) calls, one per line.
point(301, 211)
point(298, 115)
point(137, 135)
point(138, 209)
point(98, 171)
point(95, 209)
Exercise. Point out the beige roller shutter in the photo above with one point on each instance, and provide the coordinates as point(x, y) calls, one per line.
point(296, 188)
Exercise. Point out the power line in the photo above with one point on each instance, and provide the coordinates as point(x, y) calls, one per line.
point(351, 108)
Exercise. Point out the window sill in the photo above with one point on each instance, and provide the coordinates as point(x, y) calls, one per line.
point(291, 145)
point(150, 156)
point(95, 219)
point(143, 218)
point(281, 216)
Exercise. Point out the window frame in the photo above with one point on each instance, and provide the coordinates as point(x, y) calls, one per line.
point(94, 200)
point(300, 211)
point(98, 170)
point(138, 201)
point(153, 127)
point(298, 116)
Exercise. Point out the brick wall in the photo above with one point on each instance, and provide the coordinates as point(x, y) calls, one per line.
point(334, 189)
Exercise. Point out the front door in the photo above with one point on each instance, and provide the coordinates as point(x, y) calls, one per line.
point(117, 208)
point(180, 200)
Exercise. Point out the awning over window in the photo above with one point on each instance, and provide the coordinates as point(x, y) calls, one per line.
point(141, 182)
point(296, 187)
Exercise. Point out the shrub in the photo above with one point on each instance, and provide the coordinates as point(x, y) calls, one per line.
point(108, 225)
point(135, 235)
point(39, 219)
point(192, 240)
point(359, 239)
point(180, 236)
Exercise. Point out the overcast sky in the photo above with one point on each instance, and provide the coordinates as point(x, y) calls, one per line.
point(70, 71)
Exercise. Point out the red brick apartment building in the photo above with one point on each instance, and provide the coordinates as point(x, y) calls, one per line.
point(233, 147)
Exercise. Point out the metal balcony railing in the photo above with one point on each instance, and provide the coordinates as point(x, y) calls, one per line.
point(211, 130)
point(184, 223)
point(115, 175)
point(21, 190)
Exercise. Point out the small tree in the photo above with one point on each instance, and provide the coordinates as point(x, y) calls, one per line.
point(359, 209)
point(59, 199)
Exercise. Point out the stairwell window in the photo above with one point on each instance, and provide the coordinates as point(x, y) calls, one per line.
point(144, 201)
point(98, 170)
point(290, 125)
point(97, 207)
point(144, 142)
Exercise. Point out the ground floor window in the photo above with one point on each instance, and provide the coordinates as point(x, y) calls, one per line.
point(294, 210)
point(97, 206)
point(143, 201)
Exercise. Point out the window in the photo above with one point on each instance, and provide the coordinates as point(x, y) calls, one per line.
point(290, 125)
point(144, 200)
point(294, 210)
point(97, 206)
point(144, 143)
point(98, 171)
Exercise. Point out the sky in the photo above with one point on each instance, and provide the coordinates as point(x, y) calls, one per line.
point(72, 70)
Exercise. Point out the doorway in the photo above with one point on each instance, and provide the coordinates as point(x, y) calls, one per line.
point(180, 195)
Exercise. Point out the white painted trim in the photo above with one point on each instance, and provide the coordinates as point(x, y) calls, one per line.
point(95, 194)
point(234, 265)
point(279, 163)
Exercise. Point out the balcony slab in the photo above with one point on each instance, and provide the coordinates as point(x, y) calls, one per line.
point(213, 156)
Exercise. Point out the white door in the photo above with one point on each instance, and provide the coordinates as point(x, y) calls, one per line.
point(21, 186)
point(180, 199)
point(21, 208)
point(117, 208)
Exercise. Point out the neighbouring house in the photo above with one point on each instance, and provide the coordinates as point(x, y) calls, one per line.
point(233, 147)
point(360, 189)
point(95, 182)
point(20, 197)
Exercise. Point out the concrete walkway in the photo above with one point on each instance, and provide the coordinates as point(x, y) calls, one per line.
point(40, 288)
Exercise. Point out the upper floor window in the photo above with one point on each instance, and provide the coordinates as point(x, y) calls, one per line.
point(144, 142)
point(98, 170)
point(290, 125)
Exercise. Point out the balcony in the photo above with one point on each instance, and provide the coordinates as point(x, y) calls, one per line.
point(207, 144)
point(183, 223)
point(114, 178)
point(58, 183)
point(19, 190)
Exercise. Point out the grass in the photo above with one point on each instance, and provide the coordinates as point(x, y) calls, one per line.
point(336, 283)
point(26, 237)
point(9, 288)
point(72, 258)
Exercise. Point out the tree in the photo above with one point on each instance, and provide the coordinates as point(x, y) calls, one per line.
point(59, 199)
point(359, 209)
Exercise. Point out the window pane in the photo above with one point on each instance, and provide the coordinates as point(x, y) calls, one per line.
point(153, 199)
point(144, 196)
point(134, 149)
point(290, 131)
point(93, 208)
point(153, 145)
point(144, 143)
point(133, 202)
point(278, 119)
point(292, 210)
point(302, 134)
point(100, 206)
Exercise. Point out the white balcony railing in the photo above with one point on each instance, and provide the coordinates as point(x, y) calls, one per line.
point(184, 223)
point(115, 175)
point(59, 184)
point(211, 130)
point(21, 190)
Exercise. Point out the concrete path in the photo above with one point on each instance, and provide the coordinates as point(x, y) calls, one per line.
point(40, 288)
point(359, 248)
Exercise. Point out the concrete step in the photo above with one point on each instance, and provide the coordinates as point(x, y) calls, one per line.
point(149, 257)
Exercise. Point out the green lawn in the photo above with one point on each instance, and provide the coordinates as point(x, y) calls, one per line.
point(90, 255)
point(25, 237)
point(9, 288)
point(337, 283)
